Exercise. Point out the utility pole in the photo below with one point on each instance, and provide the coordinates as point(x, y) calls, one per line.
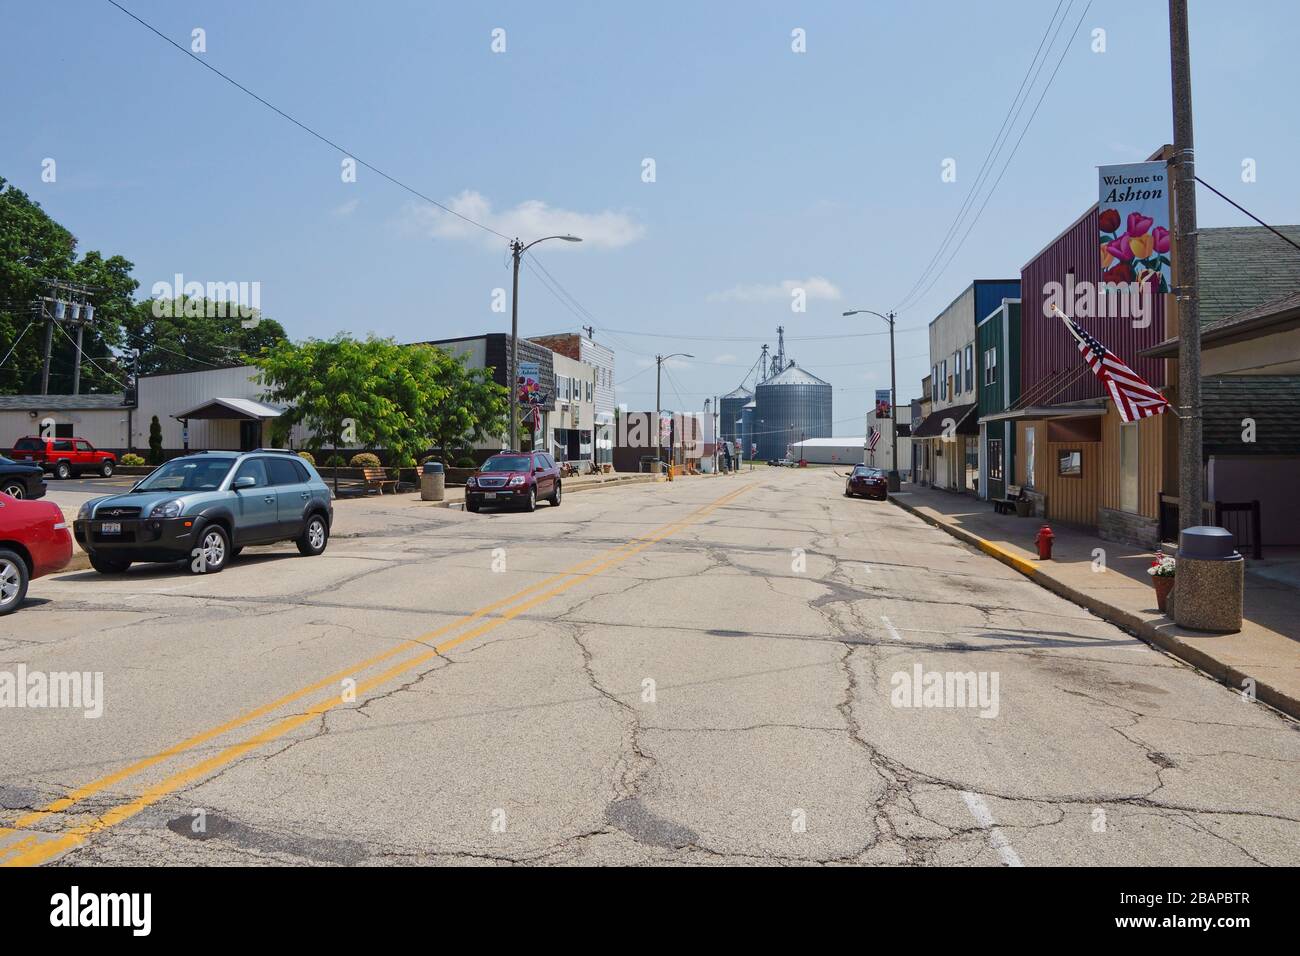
point(65, 297)
point(894, 478)
point(659, 374)
point(517, 250)
point(1190, 473)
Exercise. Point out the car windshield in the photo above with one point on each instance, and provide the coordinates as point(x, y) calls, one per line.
point(187, 474)
point(504, 463)
point(868, 472)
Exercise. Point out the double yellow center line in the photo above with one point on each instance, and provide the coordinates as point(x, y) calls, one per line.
point(32, 850)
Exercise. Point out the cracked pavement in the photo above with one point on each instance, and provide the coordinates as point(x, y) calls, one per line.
point(726, 695)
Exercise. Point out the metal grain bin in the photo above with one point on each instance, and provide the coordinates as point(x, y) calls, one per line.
point(792, 405)
point(729, 407)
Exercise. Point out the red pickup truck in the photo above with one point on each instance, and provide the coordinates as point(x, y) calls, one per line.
point(64, 457)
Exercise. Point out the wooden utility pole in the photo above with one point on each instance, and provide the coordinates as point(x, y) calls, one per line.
point(1190, 468)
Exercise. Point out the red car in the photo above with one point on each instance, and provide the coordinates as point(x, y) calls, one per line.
point(64, 457)
point(868, 482)
point(514, 479)
point(34, 540)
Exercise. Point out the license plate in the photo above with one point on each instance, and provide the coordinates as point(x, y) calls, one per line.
point(489, 494)
point(110, 527)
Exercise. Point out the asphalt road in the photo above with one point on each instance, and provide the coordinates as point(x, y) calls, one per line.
point(716, 670)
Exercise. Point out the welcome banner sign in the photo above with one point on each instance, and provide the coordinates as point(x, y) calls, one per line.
point(1133, 215)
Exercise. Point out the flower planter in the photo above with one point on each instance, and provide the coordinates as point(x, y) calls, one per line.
point(1024, 508)
point(1164, 584)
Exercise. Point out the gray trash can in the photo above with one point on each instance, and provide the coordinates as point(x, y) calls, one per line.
point(433, 482)
point(1209, 581)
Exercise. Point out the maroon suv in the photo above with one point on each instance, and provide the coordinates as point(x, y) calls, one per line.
point(64, 457)
point(514, 479)
point(868, 482)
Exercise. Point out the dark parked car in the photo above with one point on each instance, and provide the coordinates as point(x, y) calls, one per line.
point(204, 508)
point(64, 457)
point(34, 540)
point(514, 480)
point(868, 482)
point(21, 480)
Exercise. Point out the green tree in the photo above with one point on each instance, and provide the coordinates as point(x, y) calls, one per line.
point(34, 247)
point(184, 334)
point(155, 441)
point(459, 405)
point(364, 393)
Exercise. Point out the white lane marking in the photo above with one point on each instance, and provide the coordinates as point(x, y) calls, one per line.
point(997, 839)
point(893, 631)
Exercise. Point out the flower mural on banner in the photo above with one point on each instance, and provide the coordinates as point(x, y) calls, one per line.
point(1134, 224)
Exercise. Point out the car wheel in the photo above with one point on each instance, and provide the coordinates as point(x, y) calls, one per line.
point(314, 537)
point(13, 581)
point(471, 507)
point(555, 498)
point(15, 489)
point(108, 565)
point(530, 503)
point(63, 471)
point(212, 553)
point(106, 469)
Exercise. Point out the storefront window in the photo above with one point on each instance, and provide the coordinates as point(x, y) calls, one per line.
point(1128, 468)
point(995, 459)
point(1069, 464)
point(1029, 456)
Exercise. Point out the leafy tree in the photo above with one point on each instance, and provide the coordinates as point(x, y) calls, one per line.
point(34, 247)
point(155, 442)
point(344, 390)
point(459, 405)
point(187, 333)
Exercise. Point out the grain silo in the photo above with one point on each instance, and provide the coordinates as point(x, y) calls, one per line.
point(792, 405)
point(746, 434)
point(729, 407)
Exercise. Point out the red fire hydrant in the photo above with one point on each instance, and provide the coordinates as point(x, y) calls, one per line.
point(1044, 540)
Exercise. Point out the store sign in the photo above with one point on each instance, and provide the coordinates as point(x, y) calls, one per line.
point(1133, 216)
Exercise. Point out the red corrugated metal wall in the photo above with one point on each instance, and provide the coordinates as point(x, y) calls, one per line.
point(1046, 347)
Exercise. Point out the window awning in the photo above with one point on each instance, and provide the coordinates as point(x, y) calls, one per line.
point(1091, 410)
point(935, 424)
point(243, 409)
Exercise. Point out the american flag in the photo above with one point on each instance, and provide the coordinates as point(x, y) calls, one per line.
point(873, 438)
point(1133, 397)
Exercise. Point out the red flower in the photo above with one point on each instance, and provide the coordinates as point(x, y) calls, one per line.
point(1121, 272)
point(1161, 235)
point(1109, 220)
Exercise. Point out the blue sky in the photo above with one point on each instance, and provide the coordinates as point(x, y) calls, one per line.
point(774, 169)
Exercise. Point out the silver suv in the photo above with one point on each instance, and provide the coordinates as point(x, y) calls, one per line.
point(206, 507)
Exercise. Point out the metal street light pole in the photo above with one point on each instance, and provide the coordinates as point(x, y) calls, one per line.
point(895, 480)
point(517, 249)
point(659, 373)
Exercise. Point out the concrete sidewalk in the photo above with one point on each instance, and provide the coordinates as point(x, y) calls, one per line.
point(1266, 650)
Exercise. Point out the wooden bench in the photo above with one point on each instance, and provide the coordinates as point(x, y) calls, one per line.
point(1007, 505)
point(377, 478)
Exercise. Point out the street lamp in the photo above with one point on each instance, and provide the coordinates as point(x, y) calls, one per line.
point(517, 249)
point(894, 480)
point(659, 371)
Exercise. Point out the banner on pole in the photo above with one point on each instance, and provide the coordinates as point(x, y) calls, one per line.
point(1133, 218)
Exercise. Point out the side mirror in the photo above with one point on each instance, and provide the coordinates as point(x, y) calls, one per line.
point(247, 481)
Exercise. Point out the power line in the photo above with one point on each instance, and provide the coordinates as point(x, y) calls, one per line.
point(15, 345)
point(303, 126)
point(750, 338)
point(1284, 238)
point(1010, 156)
point(83, 355)
point(986, 165)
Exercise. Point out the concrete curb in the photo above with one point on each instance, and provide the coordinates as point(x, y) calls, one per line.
point(571, 488)
point(1127, 620)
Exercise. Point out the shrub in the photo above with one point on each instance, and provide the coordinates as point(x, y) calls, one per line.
point(308, 457)
point(131, 460)
point(334, 461)
point(466, 461)
point(155, 442)
point(364, 460)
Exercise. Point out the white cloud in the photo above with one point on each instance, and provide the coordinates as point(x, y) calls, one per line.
point(529, 220)
point(815, 287)
point(346, 209)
